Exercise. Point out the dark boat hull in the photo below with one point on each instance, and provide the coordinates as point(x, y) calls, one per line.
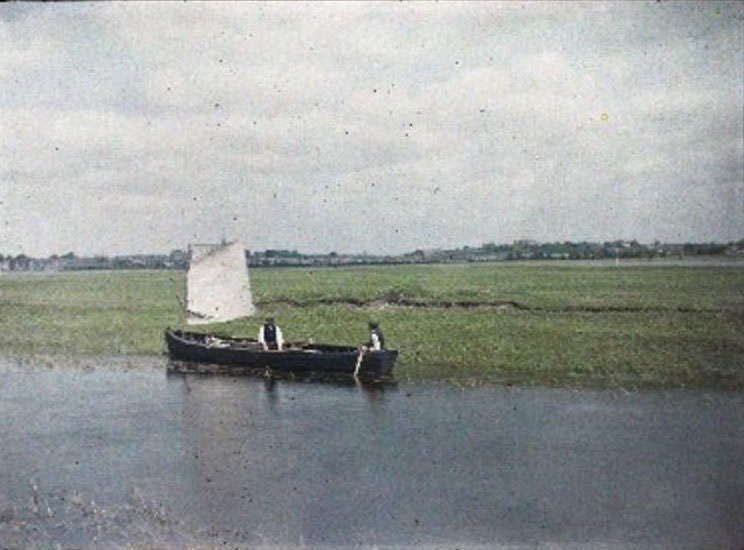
point(243, 355)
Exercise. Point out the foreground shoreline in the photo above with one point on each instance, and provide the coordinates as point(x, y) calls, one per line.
point(34, 362)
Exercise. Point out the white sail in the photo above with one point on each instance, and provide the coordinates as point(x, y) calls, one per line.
point(217, 285)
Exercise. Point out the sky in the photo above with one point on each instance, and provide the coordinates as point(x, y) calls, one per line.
point(368, 127)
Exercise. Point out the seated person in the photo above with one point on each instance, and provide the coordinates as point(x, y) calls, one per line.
point(270, 335)
point(376, 337)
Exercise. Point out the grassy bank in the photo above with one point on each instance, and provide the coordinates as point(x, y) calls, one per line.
point(557, 325)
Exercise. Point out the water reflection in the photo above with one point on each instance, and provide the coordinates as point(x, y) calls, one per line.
point(248, 449)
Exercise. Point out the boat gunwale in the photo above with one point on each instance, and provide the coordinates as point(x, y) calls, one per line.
point(298, 347)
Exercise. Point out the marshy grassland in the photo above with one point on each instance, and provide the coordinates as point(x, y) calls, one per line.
point(561, 325)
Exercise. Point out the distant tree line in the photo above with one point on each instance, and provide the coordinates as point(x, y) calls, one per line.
point(487, 252)
point(567, 250)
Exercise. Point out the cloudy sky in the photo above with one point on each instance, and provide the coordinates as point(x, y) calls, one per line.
point(380, 127)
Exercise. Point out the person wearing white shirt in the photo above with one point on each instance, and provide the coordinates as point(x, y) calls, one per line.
point(376, 337)
point(270, 335)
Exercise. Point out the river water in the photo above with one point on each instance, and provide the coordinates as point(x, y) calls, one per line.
point(106, 453)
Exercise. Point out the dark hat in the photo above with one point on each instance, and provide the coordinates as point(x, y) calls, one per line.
point(374, 324)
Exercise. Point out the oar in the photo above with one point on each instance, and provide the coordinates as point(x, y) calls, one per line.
point(359, 362)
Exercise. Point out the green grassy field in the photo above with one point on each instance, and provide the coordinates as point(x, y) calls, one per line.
point(564, 325)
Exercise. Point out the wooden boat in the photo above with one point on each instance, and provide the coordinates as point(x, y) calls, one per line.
point(218, 290)
point(246, 354)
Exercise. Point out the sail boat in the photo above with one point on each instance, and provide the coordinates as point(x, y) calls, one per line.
point(218, 289)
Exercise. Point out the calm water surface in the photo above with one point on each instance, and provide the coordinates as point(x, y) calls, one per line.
point(113, 453)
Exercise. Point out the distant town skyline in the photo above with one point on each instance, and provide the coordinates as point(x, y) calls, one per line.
point(730, 254)
point(519, 249)
point(368, 127)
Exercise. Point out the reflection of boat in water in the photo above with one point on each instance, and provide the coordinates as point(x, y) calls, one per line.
point(217, 290)
point(238, 356)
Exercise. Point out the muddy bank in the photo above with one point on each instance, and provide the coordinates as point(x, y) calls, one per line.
point(11, 362)
point(498, 306)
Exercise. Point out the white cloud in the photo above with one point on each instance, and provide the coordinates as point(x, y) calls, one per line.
point(371, 126)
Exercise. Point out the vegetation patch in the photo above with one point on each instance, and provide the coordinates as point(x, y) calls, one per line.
point(563, 325)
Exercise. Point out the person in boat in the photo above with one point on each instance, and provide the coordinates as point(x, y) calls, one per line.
point(376, 337)
point(270, 335)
